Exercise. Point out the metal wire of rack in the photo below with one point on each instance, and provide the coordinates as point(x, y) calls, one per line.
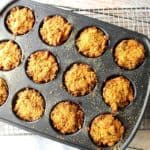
point(136, 19)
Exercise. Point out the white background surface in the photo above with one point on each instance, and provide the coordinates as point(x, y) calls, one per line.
point(30, 143)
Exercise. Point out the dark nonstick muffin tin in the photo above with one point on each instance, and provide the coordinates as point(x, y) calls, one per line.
point(67, 54)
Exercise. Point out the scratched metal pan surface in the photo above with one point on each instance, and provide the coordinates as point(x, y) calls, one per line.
point(67, 54)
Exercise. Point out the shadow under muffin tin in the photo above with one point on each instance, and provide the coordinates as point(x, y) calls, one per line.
point(66, 54)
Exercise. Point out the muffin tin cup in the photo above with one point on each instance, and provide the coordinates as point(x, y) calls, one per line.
point(67, 54)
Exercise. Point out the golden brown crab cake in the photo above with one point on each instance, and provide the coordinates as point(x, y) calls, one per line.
point(10, 55)
point(91, 42)
point(118, 92)
point(42, 66)
point(80, 79)
point(55, 30)
point(20, 20)
point(29, 105)
point(129, 54)
point(3, 91)
point(67, 117)
point(106, 130)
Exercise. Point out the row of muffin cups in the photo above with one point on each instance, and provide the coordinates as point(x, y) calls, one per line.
point(90, 41)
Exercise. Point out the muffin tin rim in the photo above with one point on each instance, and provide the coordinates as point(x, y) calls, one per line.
point(80, 145)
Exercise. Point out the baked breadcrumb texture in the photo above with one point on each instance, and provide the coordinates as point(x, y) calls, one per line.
point(106, 130)
point(67, 117)
point(29, 105)
point(42, 66)
point(80, 79)
point(55, 30)
point(91, 42)
point(3, 91)
point(129, 54)
point(20, 20)
point(10, 55)
point(118, 92)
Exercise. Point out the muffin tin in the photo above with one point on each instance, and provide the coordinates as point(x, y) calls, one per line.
point(67, 54)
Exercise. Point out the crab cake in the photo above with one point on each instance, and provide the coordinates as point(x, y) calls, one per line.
point(55, 30)
point(3, 91)
point(106, 130)
point(20, 20)
point(10, 55)
point(67, 117)
point(80, 79)
point(29, 105)
point(118, 92)
point(42, 66)
point(129, 54)
point(91, 42)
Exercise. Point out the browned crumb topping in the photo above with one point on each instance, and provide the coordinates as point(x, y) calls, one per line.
point(118, 92)
point(10, 55)
point(55, 30)
point(80, 79)
point(3, 91)
point(29, 105)
point(129, 54)
point(91, 42)
point(67, 117)
point(106, 130)
point(20, 20)
point(42, 66)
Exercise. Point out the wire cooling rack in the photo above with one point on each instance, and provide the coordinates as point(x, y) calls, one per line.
point(136, 19)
